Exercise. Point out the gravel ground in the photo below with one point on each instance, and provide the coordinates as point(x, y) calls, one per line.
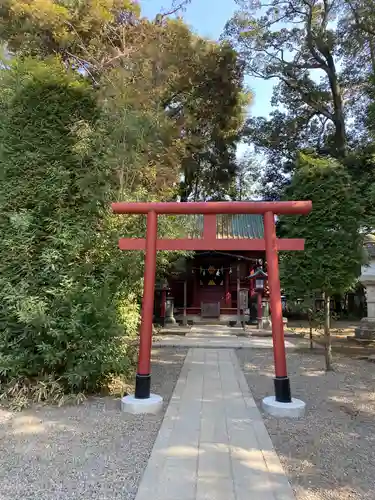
point(330, 453)
point(92, 451)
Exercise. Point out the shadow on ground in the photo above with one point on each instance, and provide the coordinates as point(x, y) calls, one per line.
point(330, 453)
point(92, 451)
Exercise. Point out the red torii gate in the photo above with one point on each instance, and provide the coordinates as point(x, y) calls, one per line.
point(210, 210)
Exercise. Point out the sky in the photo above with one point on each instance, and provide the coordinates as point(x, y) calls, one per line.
point(207, 18)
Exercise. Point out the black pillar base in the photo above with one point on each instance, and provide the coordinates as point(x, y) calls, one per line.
point(142, 386)
point(282, 390)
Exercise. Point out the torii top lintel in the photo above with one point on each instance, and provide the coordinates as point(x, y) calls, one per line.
point(210, 210)
point(216, 207)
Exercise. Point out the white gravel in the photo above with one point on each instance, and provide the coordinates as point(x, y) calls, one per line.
point(92, 451)
point(330, 453)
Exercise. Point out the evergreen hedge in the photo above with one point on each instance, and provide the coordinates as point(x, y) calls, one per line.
point(67, 295)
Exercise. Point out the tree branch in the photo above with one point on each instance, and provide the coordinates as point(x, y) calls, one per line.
point(173, 10)
point(360, 25)
point(307, 98)
point(310, 40)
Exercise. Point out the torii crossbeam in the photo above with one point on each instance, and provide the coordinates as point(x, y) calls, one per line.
point(151, 244)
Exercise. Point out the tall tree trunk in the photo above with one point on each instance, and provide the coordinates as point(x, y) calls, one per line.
point(323, 54)
point(327, 334)
point(338, 107)
point(372, 54)
point(197, 179)
point(310, 316)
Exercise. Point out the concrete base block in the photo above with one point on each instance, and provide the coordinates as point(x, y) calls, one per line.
point(170, 321)
point(366, 330)
point(153, 404)
point(295, 409)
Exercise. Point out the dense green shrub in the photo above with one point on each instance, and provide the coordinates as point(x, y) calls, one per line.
point(64, 285)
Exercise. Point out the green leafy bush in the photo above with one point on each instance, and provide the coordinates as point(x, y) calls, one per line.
point(65, 288)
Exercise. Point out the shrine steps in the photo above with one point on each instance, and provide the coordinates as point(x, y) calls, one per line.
point(224, 319)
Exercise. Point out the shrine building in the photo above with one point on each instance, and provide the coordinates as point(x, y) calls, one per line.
point(215, 285)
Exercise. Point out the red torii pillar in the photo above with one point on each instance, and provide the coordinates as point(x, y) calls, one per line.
point(210, 210)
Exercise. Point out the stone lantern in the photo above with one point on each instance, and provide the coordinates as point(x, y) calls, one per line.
point(161, 292)
point(169, 311)
point(261, 288)
point(366, 330)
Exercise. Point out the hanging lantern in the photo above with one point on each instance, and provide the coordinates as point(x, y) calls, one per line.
point(260, 277)
point(211, 270)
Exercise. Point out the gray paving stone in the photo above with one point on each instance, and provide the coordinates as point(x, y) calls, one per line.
point(214, 460)
point(214, 428)
point(211, 488)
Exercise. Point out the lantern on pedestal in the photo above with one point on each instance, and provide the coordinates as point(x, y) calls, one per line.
point(161, 291)
point(262, 291)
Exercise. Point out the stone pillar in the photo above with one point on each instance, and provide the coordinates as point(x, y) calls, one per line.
point(266, 323)
point(163, 305)
point(169, 317)
point(184, 322)
point(259, 309)
point(366, 330)
point(370, 296)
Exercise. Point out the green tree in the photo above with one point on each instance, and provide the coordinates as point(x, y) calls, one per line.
point(246, 183)
point(69, 298)
point(197, 83)
point(320, 55)
point(59, 319)
point(357, 27)
point(71, 29)
point(292, 53)
point(333, 249)
point(360, 161)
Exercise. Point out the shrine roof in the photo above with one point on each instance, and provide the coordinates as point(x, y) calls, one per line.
point(236, 226)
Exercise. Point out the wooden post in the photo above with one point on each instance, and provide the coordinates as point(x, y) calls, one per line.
point(282, 383)
point(227, 292)
point(259, 309)
point(143, 377)
point(238, 295)
point(196, 289)
point(184, 321)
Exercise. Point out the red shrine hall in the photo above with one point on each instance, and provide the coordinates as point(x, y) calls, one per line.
point(214, 284)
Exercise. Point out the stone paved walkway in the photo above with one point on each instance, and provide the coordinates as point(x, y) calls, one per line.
point(218, 337)
point(217, 341)
point(213, 444)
